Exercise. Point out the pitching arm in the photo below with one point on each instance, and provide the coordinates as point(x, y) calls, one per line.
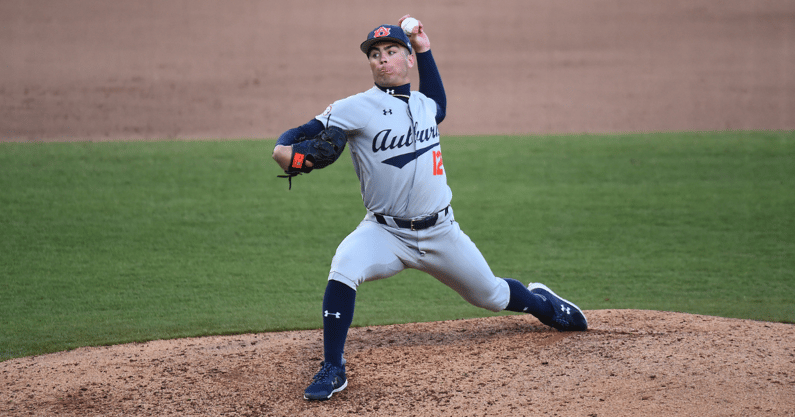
point(431, 83)
point(430, 80)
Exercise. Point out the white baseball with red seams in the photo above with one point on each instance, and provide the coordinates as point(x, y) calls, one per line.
point(409, 24)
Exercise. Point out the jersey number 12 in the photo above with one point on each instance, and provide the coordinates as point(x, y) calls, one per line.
point(438, 167)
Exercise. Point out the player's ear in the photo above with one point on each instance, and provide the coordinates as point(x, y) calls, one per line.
point(410, 59)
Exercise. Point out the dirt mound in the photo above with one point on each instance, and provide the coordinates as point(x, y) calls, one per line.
point(629, 363)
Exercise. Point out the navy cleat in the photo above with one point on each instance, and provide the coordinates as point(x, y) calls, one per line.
point(566, 317)
point(328, 380)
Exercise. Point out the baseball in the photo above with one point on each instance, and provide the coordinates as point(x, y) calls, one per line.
point(409, 24)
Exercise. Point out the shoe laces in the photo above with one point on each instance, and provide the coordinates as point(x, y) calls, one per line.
point(323, 373)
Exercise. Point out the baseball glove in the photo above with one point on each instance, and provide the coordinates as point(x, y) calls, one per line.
point(322, 150)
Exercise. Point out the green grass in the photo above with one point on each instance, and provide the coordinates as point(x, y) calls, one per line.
point(106, 243)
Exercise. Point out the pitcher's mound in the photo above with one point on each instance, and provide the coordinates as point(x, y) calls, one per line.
point(630, 363)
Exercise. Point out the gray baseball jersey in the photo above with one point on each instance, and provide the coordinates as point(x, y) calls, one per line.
point(395, 150)
point(397, 156)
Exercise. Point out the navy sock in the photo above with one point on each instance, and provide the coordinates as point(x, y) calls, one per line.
point(338, 303)
point(523, 301)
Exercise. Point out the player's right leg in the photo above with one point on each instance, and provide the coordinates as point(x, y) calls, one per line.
point(540, 301)
point(458, 263)
point(565, 315)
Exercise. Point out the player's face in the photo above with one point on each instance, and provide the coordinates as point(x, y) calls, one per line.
point(390, 64)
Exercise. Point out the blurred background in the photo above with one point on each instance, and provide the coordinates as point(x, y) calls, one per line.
point(202, 69)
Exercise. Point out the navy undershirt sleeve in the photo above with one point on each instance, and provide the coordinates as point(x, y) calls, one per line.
point(431, 83)
point(307, 130)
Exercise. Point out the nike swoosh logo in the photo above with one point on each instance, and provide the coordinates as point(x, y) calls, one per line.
point(401, 160)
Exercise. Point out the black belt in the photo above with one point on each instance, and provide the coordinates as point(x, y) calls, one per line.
point(417, 224)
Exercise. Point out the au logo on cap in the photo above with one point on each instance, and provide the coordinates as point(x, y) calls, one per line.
point(382, 31)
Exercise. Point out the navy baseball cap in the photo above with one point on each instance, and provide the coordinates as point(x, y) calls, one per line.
point(386, 33)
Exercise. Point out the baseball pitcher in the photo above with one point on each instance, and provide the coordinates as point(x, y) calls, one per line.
point(394, 141)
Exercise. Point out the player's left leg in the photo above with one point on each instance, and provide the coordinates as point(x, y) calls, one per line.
point(338, 304)
point(369, 252)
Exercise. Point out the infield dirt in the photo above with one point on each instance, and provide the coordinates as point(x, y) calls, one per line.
point(85, 70)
